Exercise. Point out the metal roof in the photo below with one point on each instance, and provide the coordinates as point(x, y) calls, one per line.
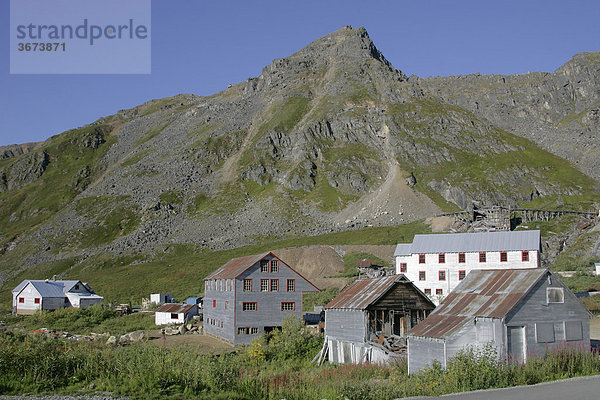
point(402, 249)
point(175, 308)
point(48, 288)
point(472, 242)
point(361, 294)
point(236, 266)
point(483, 293)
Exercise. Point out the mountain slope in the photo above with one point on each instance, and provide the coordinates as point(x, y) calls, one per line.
point(328, 139)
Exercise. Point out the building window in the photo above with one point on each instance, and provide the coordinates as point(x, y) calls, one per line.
point(274, 285)
point(421, 275)
point(274, 266)
point(264, 265)
point(503, 256)
point(428, 292)
point(421, 258)
point(36, 300)
point(214, 303)
point(555, 295)
point(525, 256)
point(264, 285)
point(21, 299)
point(291, 285)
point(174, 316)
point(439, 292)
point(442, 275)
point(247, 285)
point(249, 306)
point(227, 304)
point(442, 258)
point(76, 287)
point(482, 256)
point(461, 258)
point(461, 274)
point(243, 331)
point(288, 306)
point(253, 331)
point(403, 268)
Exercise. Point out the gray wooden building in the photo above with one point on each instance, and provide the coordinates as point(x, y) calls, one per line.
point(521, 312)
point(364, 313)
point(251, 295)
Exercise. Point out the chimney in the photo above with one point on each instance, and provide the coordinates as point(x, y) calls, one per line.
point(53, 277)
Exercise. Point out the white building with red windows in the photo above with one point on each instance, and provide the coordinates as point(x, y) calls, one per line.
point(436, 263)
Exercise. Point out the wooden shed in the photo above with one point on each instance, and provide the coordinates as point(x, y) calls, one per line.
point(521, 312)
point(359, 321)
point(174, 313)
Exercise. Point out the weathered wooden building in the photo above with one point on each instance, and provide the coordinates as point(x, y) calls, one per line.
point(251, 295)
point(369, 310)
point(32, 295)
point(436, 263)
point(521, 312)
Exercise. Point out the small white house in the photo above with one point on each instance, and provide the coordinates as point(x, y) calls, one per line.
point(436, 263)
point(161, 298)
point(35, 295)
point(174, 313)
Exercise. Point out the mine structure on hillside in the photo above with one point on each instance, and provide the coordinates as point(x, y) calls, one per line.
point(507, 218)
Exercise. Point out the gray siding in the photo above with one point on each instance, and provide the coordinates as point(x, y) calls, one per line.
point(534, 309)
point(214, 316)
point(268, 304)
point(346, 325)
point(423, 351)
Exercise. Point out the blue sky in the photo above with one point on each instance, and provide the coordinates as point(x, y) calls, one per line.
point(199, 46)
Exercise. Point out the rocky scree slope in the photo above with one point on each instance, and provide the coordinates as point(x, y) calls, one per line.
point(330, 138)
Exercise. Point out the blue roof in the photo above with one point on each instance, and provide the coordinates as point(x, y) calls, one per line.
point(471, 242)
point(48, 288)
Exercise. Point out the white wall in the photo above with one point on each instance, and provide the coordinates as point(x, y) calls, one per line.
point(164, 318)
point(452, 268)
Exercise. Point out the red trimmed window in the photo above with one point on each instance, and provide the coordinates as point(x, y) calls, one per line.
point(439, 292)
point(461, 274)
point(421, 258)
point(249, 306)
point(264, 285)
point(36, 300)
point(247, 285)
point(291, 285)
point(461, 258)
point(274, 285)
point(442, 275)
point(482, 256)
point(402, 267)
point(288, 306)
point(525, 256)
point(21, 299)
point(428, 292)
point(442, 258)
point(503, 256)
point(421, 275)
point(264, 265)
point(274, 266)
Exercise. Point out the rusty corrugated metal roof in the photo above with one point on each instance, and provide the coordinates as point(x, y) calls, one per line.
point(175, 308)
point(483, 293)
point(236, 266)
point(361, 294)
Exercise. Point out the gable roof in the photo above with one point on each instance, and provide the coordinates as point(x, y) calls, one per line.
point(471, 242)
point(175, 308)
point(49, 288)
point(236, 266)
point(483, 293)
point(361, 294)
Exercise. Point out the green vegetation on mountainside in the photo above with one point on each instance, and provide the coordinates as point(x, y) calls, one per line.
point(72, 165)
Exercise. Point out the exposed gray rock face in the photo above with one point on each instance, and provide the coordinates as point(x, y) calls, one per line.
point(317, 143)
